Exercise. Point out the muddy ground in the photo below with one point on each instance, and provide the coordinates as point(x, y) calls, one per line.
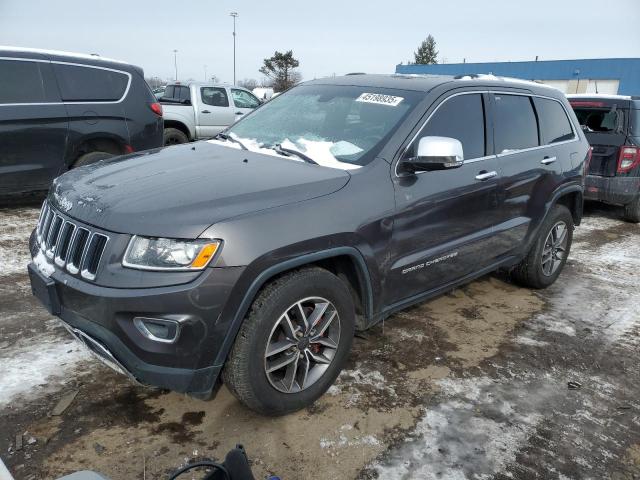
point(472, 385)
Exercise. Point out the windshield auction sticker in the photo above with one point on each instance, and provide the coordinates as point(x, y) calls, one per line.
point(379, 99)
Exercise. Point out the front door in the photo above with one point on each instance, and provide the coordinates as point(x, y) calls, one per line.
point(244, 102)
point(444, 219)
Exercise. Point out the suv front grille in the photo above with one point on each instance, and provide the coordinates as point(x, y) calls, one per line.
point(69, 244)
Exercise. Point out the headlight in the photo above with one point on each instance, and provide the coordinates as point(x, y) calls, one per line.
point(146, 253)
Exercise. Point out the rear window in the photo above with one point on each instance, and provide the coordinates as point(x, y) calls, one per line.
point(515, 122)
point(554, 123)
point(601, 120)
point(88, 84)
point(177, 93)
point(21, 82)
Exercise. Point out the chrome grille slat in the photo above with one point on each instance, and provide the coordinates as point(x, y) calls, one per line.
point(64, 242)
point(54, 235)
point(77, 248)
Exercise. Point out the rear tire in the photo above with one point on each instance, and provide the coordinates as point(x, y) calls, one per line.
point(91, 157)
point(632, 211)
point(173, 136)
point(273, 372)
point(548, 255)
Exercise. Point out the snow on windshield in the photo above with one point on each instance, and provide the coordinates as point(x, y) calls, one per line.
point(321, 151)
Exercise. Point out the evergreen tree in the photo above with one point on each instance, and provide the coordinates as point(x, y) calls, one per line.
point(427, 53)
point(280, 69)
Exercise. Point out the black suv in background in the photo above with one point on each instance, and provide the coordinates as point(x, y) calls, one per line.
point(254, 256)
point(60, 110)
point(611, 124)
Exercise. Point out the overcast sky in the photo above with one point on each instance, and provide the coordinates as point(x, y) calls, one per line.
point(327, 36)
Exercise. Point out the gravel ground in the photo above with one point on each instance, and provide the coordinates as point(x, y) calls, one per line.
point(472, 385)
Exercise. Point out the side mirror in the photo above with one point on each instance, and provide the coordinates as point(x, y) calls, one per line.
point(186, 101)
point(435, 153)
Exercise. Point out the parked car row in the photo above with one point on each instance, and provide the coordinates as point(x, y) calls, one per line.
point(252, 259)
point(60, 110)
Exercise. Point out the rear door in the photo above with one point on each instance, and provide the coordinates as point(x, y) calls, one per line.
point(33, 126)
point(531, 169)
point(443, 226)
point(214, 111)
point(244, 102)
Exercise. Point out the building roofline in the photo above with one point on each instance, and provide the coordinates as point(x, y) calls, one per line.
point(523, 61)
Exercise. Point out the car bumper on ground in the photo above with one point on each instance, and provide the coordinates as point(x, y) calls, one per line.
point(614, 190)
point(103, 319)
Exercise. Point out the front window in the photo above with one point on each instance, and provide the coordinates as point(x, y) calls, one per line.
point(335, 125)
point(244, 99)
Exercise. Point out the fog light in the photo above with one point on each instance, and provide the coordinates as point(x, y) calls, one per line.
point(158, 329)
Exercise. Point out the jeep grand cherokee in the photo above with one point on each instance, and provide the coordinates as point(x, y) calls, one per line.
point(252, 258)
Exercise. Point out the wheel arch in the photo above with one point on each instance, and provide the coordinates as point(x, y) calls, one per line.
point(572, 198)
point(178, 126)
point(345, 262)
point(98, 143)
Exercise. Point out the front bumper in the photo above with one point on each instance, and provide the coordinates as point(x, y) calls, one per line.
point(102, 319)
point(614, 190)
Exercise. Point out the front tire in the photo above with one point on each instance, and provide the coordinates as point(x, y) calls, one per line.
point(293, 343)
point(548, 255)
point(632, 211)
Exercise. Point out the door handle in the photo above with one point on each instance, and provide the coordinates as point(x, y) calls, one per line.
point(482, 176)
point(206, 111)
point(239, 113)
point(548, 160)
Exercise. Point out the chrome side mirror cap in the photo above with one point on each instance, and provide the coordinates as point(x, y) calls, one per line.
point(435, 153)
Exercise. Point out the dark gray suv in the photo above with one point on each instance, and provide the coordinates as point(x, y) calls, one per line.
point(252, 258)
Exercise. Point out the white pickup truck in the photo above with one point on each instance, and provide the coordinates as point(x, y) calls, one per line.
point(196, 111)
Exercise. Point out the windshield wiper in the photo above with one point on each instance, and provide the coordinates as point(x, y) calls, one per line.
point(287, 152)
point(229, 138)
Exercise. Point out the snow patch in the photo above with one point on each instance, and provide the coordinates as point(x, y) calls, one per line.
point(320, 151)
point(41, 261)
point(457, 440)
point(40, 365)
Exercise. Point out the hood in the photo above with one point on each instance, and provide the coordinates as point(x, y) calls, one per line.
point(180, 191)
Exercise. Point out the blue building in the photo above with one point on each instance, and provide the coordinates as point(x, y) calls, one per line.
point(601, 75)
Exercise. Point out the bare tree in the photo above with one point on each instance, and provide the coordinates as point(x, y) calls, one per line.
point(248, 83)
point(155, 82)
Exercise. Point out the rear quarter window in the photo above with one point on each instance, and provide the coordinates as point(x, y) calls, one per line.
point(554, 124)
point(516, 127)
point(89, 84)
point(21, 82)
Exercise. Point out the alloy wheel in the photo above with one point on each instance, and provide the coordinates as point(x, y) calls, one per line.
point(555, 248)
point(302, 345)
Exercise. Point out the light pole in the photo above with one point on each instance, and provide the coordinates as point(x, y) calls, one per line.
point(234, 15)
point(175, 62)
